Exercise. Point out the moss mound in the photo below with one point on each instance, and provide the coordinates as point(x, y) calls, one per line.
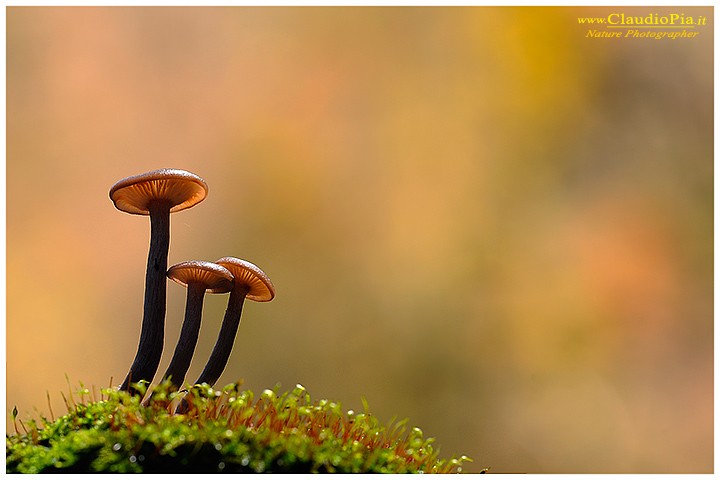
point(226, 430)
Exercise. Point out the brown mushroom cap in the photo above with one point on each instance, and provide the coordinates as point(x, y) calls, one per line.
point(260, 287)
point(182, 189)
point(216, 279)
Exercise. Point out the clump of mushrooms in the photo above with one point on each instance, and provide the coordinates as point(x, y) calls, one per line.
point(249, 282)
point(157, 194)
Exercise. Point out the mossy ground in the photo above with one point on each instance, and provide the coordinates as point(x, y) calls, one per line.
point(226, 430)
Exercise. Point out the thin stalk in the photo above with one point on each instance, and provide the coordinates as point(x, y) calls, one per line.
point(188, 335)
point(226, 338)
point(223, 346)
point(152, 332)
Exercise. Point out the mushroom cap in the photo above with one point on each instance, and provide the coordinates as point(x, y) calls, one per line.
point(182, 189)
point(216, 279)
point(260, 287)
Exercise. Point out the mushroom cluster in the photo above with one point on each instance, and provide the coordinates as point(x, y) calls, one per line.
point(158, 194)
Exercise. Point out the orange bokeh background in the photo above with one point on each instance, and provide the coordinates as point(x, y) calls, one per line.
point(477, 218)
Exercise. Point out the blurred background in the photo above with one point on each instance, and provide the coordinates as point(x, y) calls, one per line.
point(476, 218)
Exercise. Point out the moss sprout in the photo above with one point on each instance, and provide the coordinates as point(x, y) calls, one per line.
point(228, 430)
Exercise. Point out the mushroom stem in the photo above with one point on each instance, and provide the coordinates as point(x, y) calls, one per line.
point(188, 335)
point(150, 347)
point(224, 344)
point(226, 338)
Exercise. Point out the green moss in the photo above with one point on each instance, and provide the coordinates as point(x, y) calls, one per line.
point(226, 430)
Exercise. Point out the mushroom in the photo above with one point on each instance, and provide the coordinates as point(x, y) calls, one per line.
point(198, 277)
point(157, 194)
point(251, 283)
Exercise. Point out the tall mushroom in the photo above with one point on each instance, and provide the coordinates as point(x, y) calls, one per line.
point(198, 277)
point(157, 194)
point(251, 283)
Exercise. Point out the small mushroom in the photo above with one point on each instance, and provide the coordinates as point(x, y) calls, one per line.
point(157, 194)
point(250, 282)
point(198, 277)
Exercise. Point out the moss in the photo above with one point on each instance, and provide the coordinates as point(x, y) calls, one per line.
point(226, 430)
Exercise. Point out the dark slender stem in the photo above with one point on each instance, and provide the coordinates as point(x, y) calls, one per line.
point(188, 335)
point(224, 344)
point(150, 347)
point(226, 338)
